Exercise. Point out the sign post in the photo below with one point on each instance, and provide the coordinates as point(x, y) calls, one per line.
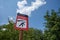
point(21, 35)
point(21, 24)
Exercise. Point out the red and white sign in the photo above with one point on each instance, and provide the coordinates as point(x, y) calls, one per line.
point(21, 22)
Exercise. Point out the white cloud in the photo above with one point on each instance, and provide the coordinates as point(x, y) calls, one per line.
point(28, 9)
point(11, 19)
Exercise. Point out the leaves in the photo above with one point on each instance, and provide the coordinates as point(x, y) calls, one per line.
point(53, 26)
point(12, 34)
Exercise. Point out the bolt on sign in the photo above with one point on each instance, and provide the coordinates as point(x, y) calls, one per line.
point(21, 22)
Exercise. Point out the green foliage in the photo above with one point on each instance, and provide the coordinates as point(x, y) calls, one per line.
point(11, 34)
point(52, 31)
point(53, 25)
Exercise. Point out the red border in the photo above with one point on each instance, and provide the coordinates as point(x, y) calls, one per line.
point(24, 18)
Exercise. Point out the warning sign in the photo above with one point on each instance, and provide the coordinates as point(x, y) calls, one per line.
point(21, 22)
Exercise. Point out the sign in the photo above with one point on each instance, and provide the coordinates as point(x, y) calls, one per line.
point(21, 22)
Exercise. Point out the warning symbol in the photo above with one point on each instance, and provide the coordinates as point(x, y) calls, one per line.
point(21, 23)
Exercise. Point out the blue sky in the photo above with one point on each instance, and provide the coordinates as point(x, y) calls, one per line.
point(9, 7)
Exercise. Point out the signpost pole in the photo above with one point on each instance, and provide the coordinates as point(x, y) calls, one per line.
point(21, 24)
point(21, 35)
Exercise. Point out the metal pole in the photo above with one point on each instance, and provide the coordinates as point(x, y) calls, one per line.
point(21, 35)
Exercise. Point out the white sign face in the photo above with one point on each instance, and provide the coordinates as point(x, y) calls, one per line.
point(21, 23)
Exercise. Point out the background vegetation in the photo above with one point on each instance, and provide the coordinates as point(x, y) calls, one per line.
point(51, 32)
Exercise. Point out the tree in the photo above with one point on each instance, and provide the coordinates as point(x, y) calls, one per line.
point(11, 34)
point(52, 31)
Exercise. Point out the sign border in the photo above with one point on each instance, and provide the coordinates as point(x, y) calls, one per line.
point(21, 16)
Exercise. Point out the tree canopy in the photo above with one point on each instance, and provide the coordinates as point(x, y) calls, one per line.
point(11, 34)
point(52, 31)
